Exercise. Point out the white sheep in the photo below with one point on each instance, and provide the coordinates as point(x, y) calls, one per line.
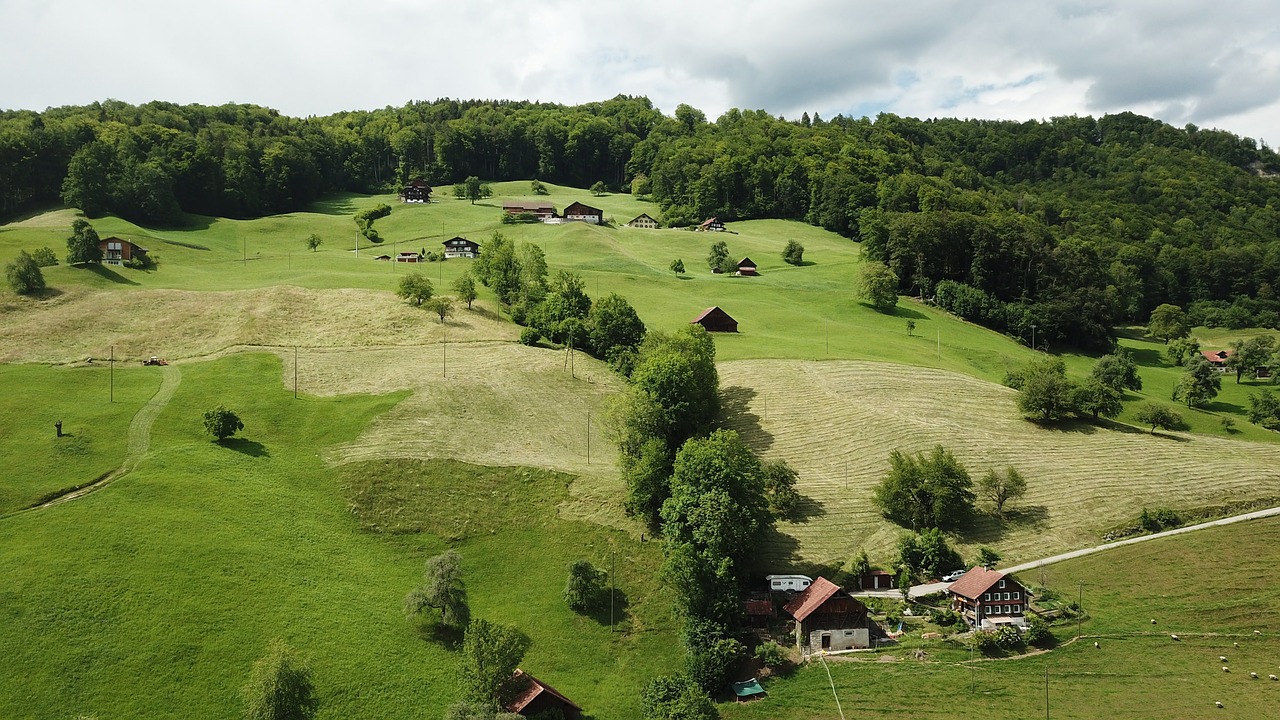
point(1175, 637)
point(1273, 677)
point(1096, 645)
point(1153, 621)
point(1253, 675)
point(1222, 658)
point(1218, 703)
point(1236, 644)
point(1226, 669)
point(1257, 632)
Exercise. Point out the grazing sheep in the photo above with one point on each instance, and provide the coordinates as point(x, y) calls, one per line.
point(1226, 669)
point(1257, 632)
point(1253, 675)
point(1218, 703)
point(1096, 645)
point(1175, 637)
point(1236, 644)
point(1153, 621)
point(1222, 658)
point(1273, 677)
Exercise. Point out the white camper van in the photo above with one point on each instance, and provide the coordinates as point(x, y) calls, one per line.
point(788, 583)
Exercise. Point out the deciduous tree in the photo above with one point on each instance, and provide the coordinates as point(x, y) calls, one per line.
point(280, 687)
point(675, 697)
point(1181, 349)
point(221, 423)
point(414, 287)
point(878, 285)
point(780, 488)
point(718, 256)
point(476, 190)
point(1045, 392)
point(677, 266)
point(599, 188)
point(442, 589)
point(82, 246)
point(585, 587)
point(1264, 409)
point(613, 325)
point(1199, 383)
point(1001, 488)
point(465, 288)
point(313, 242)
point(1249, 355)
point(1095, 398)
point(1117, 371)
point(793, 253)
point(441, 306)
point(925, 491)
point(24, 274)
point(491, 652)
point(1157, 416)
point(1168, 322)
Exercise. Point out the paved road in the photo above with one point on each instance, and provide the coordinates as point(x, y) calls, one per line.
point(926, 589)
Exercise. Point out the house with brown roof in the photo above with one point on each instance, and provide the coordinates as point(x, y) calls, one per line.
point(828, 618)
point(579, 212)
point(536, 697)
point(987, 599)
point(408, 256)
point(460, 247)
point(544, 211)
point(746, 266)
point(116, 251)
point(1218, 359)
point(416, 191)
point(715, 320)
point(643, 221)
point(710, 225)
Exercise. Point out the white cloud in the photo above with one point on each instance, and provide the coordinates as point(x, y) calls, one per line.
point(1181, 61)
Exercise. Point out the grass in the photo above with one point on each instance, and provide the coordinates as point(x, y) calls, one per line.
point(36, 462)
point(1139, 672)
point(152, 598)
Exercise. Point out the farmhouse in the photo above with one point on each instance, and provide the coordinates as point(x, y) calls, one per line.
point(1217, 358)
point(643, 221)
point(408, 256)
point(460, 247)
point(715, 320)
point(416, 191)
point(828, 618)
point(537, 697)
point(542, 210)
point(578, 212)
point(117, 252)
point(746, 266)
point(710, 225)
point(989, 598)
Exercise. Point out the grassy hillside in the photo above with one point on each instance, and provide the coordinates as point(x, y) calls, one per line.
point(1139, 671)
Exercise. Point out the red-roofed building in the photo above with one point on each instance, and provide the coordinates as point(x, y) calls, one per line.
point(828, 618)
point(747, 266)
point(989, 598)
point(715, 320)
point(710, 225)
point(537, 697)
point(1217, 358)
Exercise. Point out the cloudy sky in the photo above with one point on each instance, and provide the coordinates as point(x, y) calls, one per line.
point(1183, 61)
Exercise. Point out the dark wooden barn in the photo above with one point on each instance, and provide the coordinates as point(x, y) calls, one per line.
point(715, 320)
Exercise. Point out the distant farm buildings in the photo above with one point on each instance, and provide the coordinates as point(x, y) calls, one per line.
point(711, 225)
point(416, 191)
point(118, 252)
point(541, 210)
point(409, 257)
point(536, 698)
point(643, 221)
point(746, 266)
point(578, 212)
point(715, 320)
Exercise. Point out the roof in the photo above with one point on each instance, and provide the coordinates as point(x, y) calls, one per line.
point(532, 690)
point(713, 310)
point(460, 241)
point(584, 206)
point(746, 262)
point(708, 221)
point(529, 205)
point(404, 253)
point(642, 215)
point(804, 604)
point(1216, 355)
point(972, 584)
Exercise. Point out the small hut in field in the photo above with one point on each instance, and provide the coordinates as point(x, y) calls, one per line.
point(715, 320)
point(747, 266)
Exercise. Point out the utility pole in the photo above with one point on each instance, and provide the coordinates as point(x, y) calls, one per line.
point(1046, 692)
point(588, 436)
point(613, 580)
point(1079, 609)
point(111, 374)
point(295, 372)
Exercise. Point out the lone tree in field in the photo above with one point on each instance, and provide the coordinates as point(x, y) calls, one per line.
point(1168, 322)
point(1045, 392)
point(793, 253)
point(24, 275)
point(222, 423)
point(279, 687)
point(537, 188)
point(465, 288)
point(313, 242)
point(599, 188)
point(583, 591)
point(1117, 371)
point(415, 287)
point(1158, 416)
point(780, 488)
point(82, 246)
point(491, 652)
point(441, 590)
point(1199, 384)
point(878, 285)
point(925, 491)
point(474, 190)
point(911, 327)
point(677, 266)
point(441, 306)
point(718, 256)
point(1001, 488)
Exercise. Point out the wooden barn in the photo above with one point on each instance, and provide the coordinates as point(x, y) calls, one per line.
point(828, 618)
point(715, 320)
point(643, 221)
point(460, 247)
point(416, 191)
point(118, 252)
point(747, 266)
point(536, 697)
point(542, 210)
point(579, 212)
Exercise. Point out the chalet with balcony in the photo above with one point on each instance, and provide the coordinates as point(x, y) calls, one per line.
point(643, 221)
point(118, 252)
point(711, 225)
point(416, 191)
point(828, 618)
point(987, 599)
point(460, 247)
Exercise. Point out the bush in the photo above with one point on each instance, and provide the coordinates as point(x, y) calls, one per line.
point(1158, 519)
point(771, 655)
point(585, 586)
point(675, 697)
point(530, 336)
point(1009, 637)
point(44, 257)
point(1038, 632)
point(24, 275)
point(984, 642)
point(221, 423)
point(793, 253)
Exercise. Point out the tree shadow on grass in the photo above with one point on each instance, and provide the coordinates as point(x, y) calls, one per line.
point(684, 277)
point(805, 510)
point(431, 630)
point(337, 205)
point(252, 448)
point(1147, 357)
point(735, 402)
point(47, 293)
point(107, 273)
point(1082, 427)
point(984, 529)
point(621, 605)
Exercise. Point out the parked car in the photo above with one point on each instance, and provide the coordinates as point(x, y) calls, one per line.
point(954, 575)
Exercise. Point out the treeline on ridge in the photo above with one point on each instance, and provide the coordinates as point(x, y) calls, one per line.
point(1073, 224)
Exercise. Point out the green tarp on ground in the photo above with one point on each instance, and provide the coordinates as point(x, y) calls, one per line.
point(747, 689)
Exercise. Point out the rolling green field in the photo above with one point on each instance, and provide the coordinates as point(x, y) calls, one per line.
point(153, 596)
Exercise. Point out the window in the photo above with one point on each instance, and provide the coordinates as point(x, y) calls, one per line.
point(848, 633)
point(1006, 596)
point(986, 596)
point(1017, 609)
point(1016, 596)
point(995, 609)
point(1007, 610)
point(1001, 583)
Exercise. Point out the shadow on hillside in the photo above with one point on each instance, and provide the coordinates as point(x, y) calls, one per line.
point(601, 614)
point(107, 273)
point(1218, 406)
point(252, 448)
point(1147, 357)
point(735, 415)
point(1072, 426)
point(985, 529)
point(906, 312)
point(47, 293)
point(341, 205)
point(806, 509)
point(1175, 438)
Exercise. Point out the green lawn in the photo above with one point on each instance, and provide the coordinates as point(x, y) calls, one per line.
point(152, 598)
point(95, 429)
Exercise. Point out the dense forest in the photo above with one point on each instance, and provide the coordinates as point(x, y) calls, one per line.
point(1074, 224)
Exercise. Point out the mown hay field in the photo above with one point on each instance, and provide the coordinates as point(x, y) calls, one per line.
point(824, 417)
